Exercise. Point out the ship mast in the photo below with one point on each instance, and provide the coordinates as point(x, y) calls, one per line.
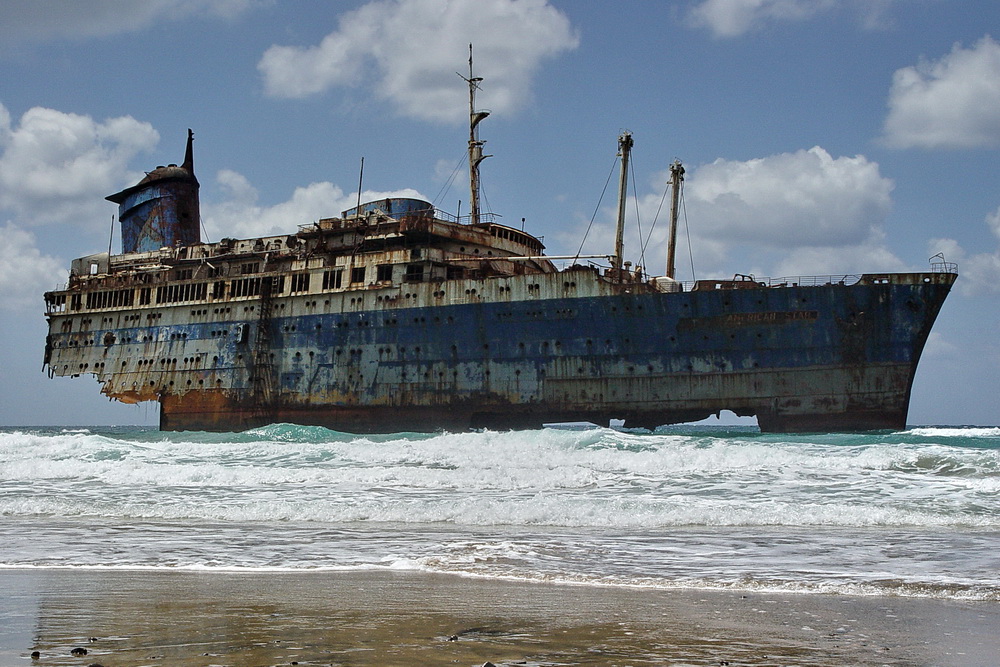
point(624, 148)
point(475, 145)
point(676, 178)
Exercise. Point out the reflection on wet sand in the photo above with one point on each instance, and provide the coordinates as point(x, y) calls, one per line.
point(130, 618)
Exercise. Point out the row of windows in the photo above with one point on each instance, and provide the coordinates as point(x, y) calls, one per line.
point(178, 293)
point(110, 299)
point(239, 287)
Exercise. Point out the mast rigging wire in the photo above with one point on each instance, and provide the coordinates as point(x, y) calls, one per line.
point(596, 209)
point(448, 183)
point(656, 217)
point(638, 220)
point(687, 232)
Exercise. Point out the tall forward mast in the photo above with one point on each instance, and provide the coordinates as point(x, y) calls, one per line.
point(625, 144)
point(676, 179)
point(475, 144)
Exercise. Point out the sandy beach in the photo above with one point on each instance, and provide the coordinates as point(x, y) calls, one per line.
point(146, 617)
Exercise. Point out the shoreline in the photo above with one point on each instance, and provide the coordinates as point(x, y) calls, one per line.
point(388, 617)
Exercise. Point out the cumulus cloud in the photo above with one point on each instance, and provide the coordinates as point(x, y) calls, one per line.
point(24, 271)
point(240, 215)
point(71, 19)
point(980, 272)
point(408, 52)
point(993, 220)
point(792, 199)
point(950, 103)
point(730, 18)
point(802, 213)
point(938, 346)
point(57, 167)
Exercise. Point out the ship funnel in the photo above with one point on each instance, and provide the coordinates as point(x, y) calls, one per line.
point(161, 210)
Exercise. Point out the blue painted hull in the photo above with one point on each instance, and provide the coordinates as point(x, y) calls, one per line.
point(830, 357)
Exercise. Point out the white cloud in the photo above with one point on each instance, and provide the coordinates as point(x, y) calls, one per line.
point(937, 346)
point(993, 220)
point(72, 19)
point(875, 14)
point(802, 213)
point(806, 198)
point(24, 271)
point(58, 167)
point(979, 273)
point(730, 18)
point(870, 255)
point(240, 216)
point(950, 103)
point(409, 50)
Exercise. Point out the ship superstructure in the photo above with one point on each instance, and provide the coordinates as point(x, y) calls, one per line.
point(395, 316)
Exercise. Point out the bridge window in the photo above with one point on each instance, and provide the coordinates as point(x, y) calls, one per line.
point(414, 273)
point(332, 279)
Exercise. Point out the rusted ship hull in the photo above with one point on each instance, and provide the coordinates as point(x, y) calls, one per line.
point(396, 316)
point(820, 412)
point(522, 351)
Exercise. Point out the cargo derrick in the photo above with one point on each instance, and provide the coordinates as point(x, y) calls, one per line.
point(397, 317)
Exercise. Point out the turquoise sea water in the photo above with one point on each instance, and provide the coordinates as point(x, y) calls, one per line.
point(912, 513)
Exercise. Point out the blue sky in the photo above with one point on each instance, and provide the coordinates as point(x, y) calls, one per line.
point(819, 137)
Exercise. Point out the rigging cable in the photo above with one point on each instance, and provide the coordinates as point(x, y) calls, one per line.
point(656, 217)
point(687, 231)
point(596, 209)
point(638, 220)
point(448, 183)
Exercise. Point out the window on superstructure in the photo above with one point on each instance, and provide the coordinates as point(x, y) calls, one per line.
point(183, 274)
point(249, 267)
point(180, 293)
point(214, 271)
point(76, 302)
point(219, 289)
point(414, 273)
point(300, 282)
point(244, 287)
point(456, 272)
point(110, 299)
point(145, 295)
point(55, 303)
point(358, 274)
point(383, 273)
point(332, 279)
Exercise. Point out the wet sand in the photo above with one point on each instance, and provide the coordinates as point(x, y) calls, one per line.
point(126, 618)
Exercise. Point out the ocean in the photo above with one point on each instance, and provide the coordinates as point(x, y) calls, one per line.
point(912, 514)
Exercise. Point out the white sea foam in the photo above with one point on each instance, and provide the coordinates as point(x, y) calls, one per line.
point(906, 513)
point(595, 478)
point(956, 431)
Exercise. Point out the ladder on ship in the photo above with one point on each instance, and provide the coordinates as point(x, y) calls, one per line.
point(263, 406)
